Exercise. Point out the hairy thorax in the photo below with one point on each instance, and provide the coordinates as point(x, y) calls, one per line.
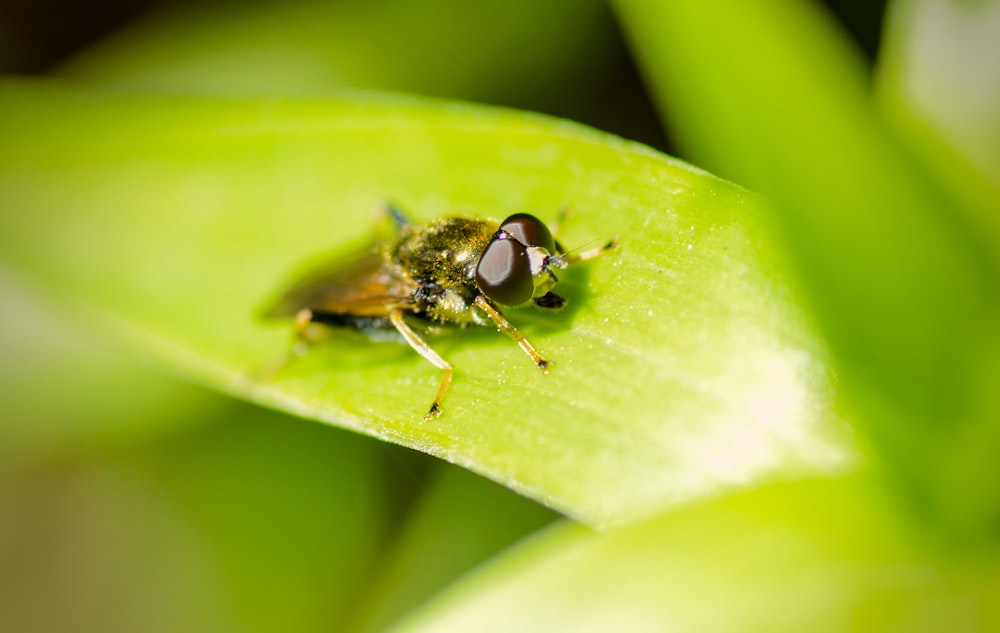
point(442, 258)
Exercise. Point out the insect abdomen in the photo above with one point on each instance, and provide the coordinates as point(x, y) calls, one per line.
point(350, 320)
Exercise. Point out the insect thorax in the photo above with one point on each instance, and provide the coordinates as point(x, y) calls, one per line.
point(445, 252)
point(442, 257)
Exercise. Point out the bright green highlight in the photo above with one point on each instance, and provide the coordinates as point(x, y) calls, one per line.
point(904, 279)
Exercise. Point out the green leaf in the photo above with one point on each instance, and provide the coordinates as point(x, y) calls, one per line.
point(816, 555)
point(685, 365)
point(50, 376)
point(209, 500)
point(935, 83)
point(906, 289)
point(459, 521)
point(938, 61)
point(190, 531)
point(310, 46)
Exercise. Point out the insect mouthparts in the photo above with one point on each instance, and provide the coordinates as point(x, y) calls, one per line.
point(555, 261)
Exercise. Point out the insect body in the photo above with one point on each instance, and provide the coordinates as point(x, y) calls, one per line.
point(454, 270)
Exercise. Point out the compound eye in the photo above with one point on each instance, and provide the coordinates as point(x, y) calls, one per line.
point(504, 274)
point(530, 231)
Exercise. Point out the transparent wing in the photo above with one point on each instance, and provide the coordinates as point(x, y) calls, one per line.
point(365, 286)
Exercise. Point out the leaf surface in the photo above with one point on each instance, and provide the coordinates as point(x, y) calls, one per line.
point(684, 364)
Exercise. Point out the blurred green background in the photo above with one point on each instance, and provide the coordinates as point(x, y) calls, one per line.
point(131, 500)
point(442, 49)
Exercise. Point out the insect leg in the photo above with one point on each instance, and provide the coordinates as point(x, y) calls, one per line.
point(422, 348)
point(504, 325)
point(303, 318)
point(576, 258)
point(398, 217)
point(390, 221)
point(564, 213)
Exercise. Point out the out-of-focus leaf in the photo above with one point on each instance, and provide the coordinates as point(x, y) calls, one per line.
point(907, 291)
point(554, 56)
point(938, 84)
point(244, 521)
point(684, 363)
point(501, 52)
point(816, 555)
point(55, 381)
point(939, 60)
point(459, 521)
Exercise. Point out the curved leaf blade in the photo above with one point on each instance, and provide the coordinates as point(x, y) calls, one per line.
point(685, 364)
point(818, 555)
point(904, 285)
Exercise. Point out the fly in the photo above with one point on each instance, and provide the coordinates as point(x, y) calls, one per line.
point(454, 270)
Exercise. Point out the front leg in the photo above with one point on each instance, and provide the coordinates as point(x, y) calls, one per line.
point(505, 326)
point(573, 257)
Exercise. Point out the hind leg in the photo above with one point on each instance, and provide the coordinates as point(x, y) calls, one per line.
point(306, 334)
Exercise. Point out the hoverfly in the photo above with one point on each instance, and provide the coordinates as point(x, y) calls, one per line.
point(454, 270)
